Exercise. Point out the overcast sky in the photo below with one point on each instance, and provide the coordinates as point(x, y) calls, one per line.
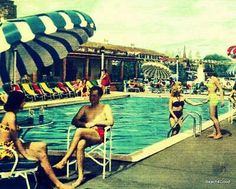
point(204, 26)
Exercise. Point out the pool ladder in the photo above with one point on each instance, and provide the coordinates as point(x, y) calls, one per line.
point(194, 116)
point(232, 111)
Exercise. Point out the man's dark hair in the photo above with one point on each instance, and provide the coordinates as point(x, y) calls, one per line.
point(97, 88)
point(14, 100)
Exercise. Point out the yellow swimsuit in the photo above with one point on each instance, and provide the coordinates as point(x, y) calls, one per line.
point(5, 153)
point(213, 97)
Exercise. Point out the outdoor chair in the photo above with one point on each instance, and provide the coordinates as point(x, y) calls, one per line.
point(48, 90)
point(3, 96)
point(39, 91)
point(29, 91)
point(64, 89)
point(71, 87)
point(99, 153)
point(17, 87)
point(89, 84)
point(18, 167)
point(60, 92)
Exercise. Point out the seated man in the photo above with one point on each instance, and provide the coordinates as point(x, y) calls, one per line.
point(90, 120)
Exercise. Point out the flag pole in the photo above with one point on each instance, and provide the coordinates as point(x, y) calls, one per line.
point(14, 65)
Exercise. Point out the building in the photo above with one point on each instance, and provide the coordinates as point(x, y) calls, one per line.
point(122, 62)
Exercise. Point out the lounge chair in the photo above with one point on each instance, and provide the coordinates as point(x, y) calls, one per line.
point(39, 91)
point(3, 96)
point(18, 167)
point(71, 87)
point(29, 91)
point(60, 92)
point(64, 88)
point(16, 87)
point(99, 153)
point(48, 90)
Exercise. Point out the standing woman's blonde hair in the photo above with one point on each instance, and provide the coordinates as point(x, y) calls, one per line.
point(175, 89)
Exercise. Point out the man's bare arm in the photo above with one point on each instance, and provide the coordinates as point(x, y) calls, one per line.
point(76, 121)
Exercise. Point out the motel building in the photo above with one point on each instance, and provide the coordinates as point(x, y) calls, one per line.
point(122, 63)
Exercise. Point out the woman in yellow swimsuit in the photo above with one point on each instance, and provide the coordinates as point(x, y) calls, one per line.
point(213, 86)
point(9, 138)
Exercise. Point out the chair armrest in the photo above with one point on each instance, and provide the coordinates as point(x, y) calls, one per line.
point(72, 127)
point(107, 128)
point(16, 159)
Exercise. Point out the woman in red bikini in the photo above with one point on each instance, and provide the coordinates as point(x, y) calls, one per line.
point(90, 120)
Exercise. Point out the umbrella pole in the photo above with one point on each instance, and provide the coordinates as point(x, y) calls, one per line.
point(14, 64)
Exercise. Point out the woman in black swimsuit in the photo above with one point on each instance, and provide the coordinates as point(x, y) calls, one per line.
point(176, 105)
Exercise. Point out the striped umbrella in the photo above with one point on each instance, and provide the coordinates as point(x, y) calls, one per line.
point(156, 70)
point(231, 51)
point(33, 42)
point(231, 70)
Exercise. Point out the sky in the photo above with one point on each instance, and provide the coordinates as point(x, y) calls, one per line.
point(203, 26)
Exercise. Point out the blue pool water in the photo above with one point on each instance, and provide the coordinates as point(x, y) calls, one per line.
point(139, 122)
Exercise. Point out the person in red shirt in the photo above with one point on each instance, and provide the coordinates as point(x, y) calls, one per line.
point(105, 79)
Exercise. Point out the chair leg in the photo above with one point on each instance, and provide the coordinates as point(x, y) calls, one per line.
point(67, 169)
point(26, 180)
point(110, 151)
point(104, 161)
point(36, 181)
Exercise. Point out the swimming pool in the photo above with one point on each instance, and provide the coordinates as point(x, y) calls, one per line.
point(139, 122)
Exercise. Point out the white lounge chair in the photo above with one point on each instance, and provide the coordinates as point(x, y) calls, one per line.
point(99, 153)
point(18, 167)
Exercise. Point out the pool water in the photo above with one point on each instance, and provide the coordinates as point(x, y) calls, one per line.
point(139, 122)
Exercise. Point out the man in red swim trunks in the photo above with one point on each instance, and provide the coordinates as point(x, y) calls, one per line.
point(90, 120)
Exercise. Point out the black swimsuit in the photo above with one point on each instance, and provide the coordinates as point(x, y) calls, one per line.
point(178, 114)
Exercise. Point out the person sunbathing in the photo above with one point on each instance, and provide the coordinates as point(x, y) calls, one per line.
point(9, 138)
point(90, 120)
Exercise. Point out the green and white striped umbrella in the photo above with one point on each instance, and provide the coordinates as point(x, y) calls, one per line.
point(38, 41)
point(156, 70)
point(231, 70)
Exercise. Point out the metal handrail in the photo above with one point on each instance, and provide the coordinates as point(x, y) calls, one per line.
point(193, 115)
point(232, 110)
point(199, 123)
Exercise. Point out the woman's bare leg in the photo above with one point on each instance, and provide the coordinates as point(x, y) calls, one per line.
point(80, 162)
point(214, 117)
point(39, 151)
point(172, 124)
point(88, 134)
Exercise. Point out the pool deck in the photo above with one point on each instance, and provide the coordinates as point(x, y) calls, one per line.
point(196, 162)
